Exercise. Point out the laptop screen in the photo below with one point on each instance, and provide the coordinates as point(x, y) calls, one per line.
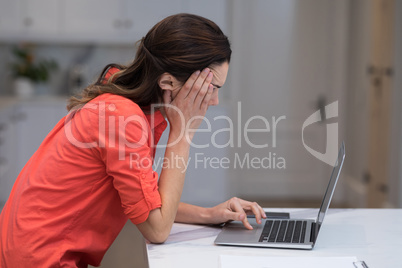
point(330, 189)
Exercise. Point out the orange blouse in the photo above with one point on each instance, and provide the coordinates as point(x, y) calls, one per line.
point(90, 175)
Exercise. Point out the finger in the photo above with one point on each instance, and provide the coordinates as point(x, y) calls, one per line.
point(264, 215)
point(198, 84)
point(235, 216)
point(251, 207)
point(188, 85)
point(204, 90)
point(232, 215)
point(236, 206)
point(255, 209)
point(207, 98)
point(262, 212)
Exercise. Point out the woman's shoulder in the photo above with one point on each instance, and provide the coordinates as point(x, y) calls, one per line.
point(117, 104)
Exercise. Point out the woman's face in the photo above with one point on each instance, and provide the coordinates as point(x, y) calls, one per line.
point(220, 72)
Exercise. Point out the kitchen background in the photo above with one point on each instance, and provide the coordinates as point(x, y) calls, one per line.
point(290, 58)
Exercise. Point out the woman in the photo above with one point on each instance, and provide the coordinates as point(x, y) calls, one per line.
point(94, 169)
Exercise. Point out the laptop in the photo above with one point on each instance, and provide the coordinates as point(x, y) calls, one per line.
point(280, 232)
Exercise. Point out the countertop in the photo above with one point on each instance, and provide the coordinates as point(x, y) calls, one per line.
point(371, 235)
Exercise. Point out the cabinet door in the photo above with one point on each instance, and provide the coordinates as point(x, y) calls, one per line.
point(23, 127)
point(40, 16)
point(8, 154)
point(91, 17)
point(10, 14)
point(214, 10)
point(142, 15)
point(34, 122)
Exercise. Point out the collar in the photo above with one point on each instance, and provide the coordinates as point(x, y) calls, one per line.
point(157, 123)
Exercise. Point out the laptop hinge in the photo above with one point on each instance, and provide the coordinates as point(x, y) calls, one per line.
point(312, 233)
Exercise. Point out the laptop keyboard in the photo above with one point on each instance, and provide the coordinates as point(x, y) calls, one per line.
point(283, 231)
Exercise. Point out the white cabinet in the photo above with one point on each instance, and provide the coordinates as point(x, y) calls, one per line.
point(33, 122)
point(23, 127)
point(83, 17)
point(10, 13)
point(7, 153)
point(214, 10)
point(116, 22)
point(40, 17)
point(122, 21)
point(145, 14)
point(140, 16)
point(29, 18)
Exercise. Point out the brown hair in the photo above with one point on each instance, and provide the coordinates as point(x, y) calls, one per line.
point(179, 44)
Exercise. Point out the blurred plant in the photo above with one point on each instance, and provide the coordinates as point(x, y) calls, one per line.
point(26, 67)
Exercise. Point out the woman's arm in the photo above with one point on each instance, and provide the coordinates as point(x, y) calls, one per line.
point(190, 103)
point(233, 209)
point(157, 227)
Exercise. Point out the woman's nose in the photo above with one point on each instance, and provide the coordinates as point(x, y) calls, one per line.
point(214, 98)
point(214, 101)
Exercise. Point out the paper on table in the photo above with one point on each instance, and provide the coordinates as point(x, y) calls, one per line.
point(231, 261)
point(181, 227)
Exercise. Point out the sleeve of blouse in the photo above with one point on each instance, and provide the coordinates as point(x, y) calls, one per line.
point(127, 154)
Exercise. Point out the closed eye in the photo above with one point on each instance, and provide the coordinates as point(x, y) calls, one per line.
point(215, 86)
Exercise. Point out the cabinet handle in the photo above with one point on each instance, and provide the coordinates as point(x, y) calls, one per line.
point(28, 22)
point(383, 188)
point(128, 24)
point(366, 177)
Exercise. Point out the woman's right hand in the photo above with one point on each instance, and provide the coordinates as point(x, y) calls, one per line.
point(184, 111)
point(187, 109)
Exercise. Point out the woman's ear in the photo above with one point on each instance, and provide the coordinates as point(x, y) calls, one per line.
point(167, 82)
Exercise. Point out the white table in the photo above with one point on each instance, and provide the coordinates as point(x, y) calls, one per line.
point(372, 235)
